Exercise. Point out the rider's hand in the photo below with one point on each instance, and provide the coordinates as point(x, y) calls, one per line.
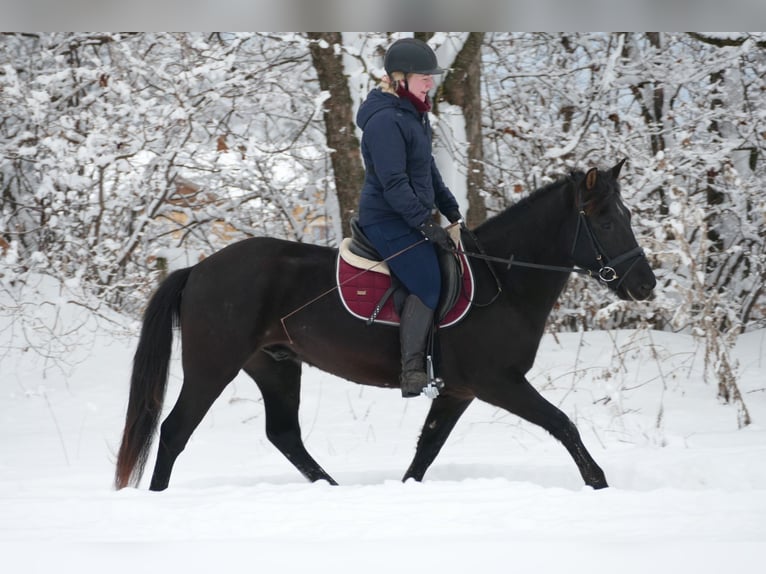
point(433, 232)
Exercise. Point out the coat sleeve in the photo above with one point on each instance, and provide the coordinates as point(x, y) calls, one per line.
point(388, 151)
point(445, 201)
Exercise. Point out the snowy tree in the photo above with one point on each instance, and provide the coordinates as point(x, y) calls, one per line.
point(342, 143)
point(564, 101)
point(125, 150)
point(125, 155)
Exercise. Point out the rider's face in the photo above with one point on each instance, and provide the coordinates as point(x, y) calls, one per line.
point(420, 85)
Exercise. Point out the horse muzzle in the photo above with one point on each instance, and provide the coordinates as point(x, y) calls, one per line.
point(637, 282)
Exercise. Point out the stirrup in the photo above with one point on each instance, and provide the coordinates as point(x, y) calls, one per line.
point(430, 387)
point(435, 384)
point(431, 390)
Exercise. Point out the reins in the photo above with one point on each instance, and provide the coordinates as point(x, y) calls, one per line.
point(511, 261)
point(605, 273)
point(508, 262)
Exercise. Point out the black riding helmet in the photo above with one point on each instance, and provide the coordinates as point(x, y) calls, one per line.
point(411, 56)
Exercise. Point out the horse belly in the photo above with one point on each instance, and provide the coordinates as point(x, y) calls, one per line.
point(350, 349)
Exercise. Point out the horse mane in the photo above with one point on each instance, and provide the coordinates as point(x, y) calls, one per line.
point(594, 202)
point(521, 208)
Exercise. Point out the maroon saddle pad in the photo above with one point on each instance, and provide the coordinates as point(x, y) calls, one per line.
point(364, 283)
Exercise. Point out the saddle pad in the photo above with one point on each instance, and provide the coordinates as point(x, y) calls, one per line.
point(362, 288)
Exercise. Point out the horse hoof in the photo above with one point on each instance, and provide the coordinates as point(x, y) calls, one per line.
point(598, 484)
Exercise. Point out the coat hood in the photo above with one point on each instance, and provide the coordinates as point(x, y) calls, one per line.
point(377, 100)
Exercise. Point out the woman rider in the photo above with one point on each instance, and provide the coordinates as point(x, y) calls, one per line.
point(402, 187)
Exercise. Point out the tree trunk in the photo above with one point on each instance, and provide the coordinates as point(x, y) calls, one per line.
point(462, 87)
point(651, 97)
point(339, 123)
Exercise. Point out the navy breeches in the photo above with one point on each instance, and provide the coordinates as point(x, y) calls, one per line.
point(418, 267)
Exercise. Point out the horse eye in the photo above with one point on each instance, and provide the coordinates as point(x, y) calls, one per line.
point(606, 225)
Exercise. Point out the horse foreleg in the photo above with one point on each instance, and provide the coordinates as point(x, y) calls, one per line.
point(522, 399)
point(442, 417)
point(279, 381)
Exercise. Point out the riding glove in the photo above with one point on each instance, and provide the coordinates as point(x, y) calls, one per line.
point(454, 216)
point(433, 232)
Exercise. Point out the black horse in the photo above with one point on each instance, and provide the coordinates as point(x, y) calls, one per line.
point(232, 308)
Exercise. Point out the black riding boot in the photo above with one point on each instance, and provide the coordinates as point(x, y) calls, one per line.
point(415, 324)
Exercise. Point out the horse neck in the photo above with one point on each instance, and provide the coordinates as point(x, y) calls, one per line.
point(538, 229)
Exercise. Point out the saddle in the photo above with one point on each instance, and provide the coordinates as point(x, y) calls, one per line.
point(371, 292)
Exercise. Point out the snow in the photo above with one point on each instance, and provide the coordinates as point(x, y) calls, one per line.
point(687, 487)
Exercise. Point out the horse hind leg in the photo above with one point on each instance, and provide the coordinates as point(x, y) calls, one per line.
point(279, 380)
point(443, 415)
point(522, 399)
point(196, 397)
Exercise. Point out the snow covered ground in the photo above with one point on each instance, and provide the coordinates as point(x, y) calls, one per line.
point(688, 489)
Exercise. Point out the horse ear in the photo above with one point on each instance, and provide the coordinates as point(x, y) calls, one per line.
point(590, 178)
point(616, 169)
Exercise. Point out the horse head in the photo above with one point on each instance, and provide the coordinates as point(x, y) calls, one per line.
point(604, 240)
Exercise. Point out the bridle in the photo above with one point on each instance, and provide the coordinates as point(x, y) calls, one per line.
point(606, 265)
point(603, 270)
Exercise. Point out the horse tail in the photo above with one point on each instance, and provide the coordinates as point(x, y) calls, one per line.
point(149, 378)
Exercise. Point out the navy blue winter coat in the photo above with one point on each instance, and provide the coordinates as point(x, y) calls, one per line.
point(401, 179)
